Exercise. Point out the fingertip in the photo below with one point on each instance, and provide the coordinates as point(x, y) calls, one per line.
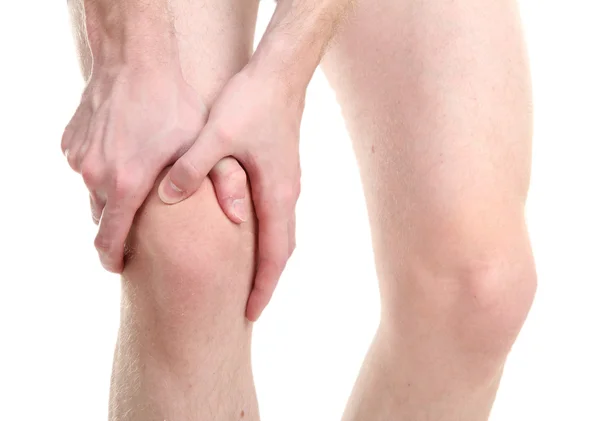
point(239, 209)
point(108, 254)
point(115, 224)
point(229, 180)
point(168, 192)
point(253, 310)
point(259, 297)
point(111, 265)
point(231, 210)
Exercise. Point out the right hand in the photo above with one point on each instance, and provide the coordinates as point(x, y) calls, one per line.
point(131, 123)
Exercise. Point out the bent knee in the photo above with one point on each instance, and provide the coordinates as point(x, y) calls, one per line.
point(189, 258)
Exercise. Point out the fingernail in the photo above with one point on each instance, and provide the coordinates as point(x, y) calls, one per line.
point(169, 192)
point(239, 209)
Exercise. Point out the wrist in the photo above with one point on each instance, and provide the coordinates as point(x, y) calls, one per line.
point(297, 37)
point(120, 35)
point(280, 60)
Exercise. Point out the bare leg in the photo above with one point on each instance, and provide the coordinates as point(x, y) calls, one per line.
point(183, 351)
point(436, 97)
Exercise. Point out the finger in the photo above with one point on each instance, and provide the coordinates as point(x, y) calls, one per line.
point(67, 139)
point(229, 179)
point(188, 172)
point(92, 172)
point(71, 159)
point(292, 235)
point(72, 153)
point(69, 131)
point(73, 137)
point(273, 252)
point(115, 224)
point(97, 206)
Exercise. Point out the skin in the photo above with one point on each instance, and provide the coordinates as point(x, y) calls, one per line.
point(437, 101)
point(139, 114)
point(436, 96)
point(183, 349)
point(241, 125)
point(189, 270)
point(132, 103)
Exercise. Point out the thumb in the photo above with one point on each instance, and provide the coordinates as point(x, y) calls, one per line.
point(190, 170)
point(229, 179)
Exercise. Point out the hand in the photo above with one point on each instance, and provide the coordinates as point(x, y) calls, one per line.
point(130, 124)
point(256, 122)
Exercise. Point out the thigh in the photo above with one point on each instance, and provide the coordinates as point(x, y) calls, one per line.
point(436, 97)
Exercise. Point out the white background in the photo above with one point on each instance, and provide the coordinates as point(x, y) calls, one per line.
point(59, 310)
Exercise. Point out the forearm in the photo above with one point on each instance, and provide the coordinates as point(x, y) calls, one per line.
point(297, 38)
point(136, 32)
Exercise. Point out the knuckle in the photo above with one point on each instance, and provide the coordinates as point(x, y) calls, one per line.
point(223, 135)
point(91, 172)
point(124, 185)
point(103, 244)
point(72, 159)
point(237, 177)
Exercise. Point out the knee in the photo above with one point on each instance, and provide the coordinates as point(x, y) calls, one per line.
point(476, 303)
point(187, 264)
point(492, 303)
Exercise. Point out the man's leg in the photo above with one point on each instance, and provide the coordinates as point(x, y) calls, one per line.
point(436, 96)
point(183, 350)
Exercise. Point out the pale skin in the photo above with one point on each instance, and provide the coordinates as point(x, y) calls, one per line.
point(437, 101)
point(183, 349)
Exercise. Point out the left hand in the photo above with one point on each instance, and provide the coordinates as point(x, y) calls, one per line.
point(256, 120)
